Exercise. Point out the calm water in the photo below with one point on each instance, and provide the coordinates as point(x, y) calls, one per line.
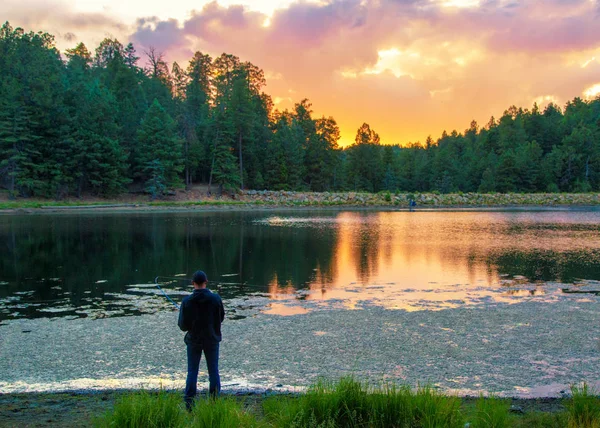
point(103, 265)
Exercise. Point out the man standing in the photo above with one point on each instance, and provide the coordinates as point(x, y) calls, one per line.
point(200, 316)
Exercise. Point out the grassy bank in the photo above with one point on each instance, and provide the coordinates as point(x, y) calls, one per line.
point(348, 403)
point(253, 198)
point(42, 204)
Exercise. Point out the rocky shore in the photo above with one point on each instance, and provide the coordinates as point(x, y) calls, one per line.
point(267, 199)
point(422, 199)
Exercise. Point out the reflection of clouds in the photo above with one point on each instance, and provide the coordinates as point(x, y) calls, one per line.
point(285, 310)
point(416, 261)
point(278, 291)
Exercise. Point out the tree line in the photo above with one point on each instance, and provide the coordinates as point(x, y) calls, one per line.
point(108, 122)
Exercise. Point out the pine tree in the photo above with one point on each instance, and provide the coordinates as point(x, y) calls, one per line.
point(156, 183)
point(195, 120)
point(158, 141)
point(17, 145)
point(224, 171)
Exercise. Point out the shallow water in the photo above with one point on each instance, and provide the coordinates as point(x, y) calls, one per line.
point(103, 265)
point(470, 301)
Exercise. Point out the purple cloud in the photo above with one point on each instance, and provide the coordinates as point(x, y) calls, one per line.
point(162, 35)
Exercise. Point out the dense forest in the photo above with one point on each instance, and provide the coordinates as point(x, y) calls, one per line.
point(108, 122)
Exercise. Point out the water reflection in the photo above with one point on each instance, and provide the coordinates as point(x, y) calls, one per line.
point(103, 265)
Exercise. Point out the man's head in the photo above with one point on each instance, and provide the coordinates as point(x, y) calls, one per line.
point(199, 280)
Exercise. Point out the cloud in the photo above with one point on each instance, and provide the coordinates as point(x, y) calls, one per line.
point(162, 35)
point(57, 17)
point(40, 14)
point(69, 37)
point(380, 61)
point(407, 67)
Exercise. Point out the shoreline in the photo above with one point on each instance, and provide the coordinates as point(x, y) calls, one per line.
point(252, 200)
point(176, 207)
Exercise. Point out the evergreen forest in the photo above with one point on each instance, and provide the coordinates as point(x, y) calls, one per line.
point(113, 120)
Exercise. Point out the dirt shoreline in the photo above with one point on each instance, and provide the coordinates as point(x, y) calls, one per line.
point(195, 199)
point(180, 208)
point(75, 409)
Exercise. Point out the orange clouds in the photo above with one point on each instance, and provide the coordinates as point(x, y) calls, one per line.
point(407, 67)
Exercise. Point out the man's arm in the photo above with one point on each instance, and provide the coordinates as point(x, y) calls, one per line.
point(182, 321)
point(222, 310)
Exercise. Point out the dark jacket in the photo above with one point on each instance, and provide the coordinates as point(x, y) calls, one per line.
point(201, 315)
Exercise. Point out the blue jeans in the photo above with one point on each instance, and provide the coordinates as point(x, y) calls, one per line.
point(211, 353)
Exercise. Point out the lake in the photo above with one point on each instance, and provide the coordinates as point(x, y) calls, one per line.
point(294, 268)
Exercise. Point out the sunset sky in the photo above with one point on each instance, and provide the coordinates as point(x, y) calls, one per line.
point(409, 68)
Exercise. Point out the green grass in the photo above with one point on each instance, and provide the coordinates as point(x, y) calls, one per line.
point(541, 420)
point(166, 410)
point(347, 403)
point(38, 204)
point(584, 408)
point(491, 412)
point(144, 409)
point(193, 203)
point(221, 413)
point(25, 204)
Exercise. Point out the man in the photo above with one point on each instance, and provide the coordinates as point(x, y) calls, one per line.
point(200, 316)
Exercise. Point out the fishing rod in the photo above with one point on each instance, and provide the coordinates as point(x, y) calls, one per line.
point(218, 285)
point(171, 279)
point(165, 294)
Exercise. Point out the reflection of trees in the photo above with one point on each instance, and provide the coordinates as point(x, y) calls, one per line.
point(289, 254)
point(367, 249)
point(130, 249)
point(365, 244)
point(134, 248)
point(548, 265)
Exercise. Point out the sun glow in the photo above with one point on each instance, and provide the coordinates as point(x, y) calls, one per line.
point(588, 62)
point(435, 92)
point(279, 100)
point(461, 4)
point(544, 100)
point(592, 92)
point(389, 60)
point(349, 74)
